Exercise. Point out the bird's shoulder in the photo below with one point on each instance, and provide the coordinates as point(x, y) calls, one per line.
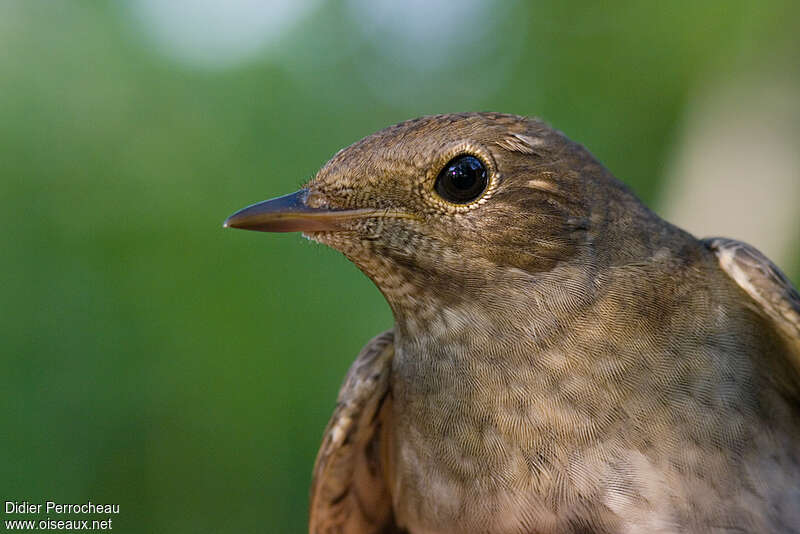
point(348, 490)
point(766, 284)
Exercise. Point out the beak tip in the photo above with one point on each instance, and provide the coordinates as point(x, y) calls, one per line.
point(232, 221)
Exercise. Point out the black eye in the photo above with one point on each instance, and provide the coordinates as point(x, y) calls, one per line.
point(462, 180)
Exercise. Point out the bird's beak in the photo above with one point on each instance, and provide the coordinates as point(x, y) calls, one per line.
point(290, 213)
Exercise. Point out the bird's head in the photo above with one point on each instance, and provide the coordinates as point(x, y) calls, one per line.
point(450, 207)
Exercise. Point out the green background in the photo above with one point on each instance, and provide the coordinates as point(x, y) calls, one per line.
point(151, 359)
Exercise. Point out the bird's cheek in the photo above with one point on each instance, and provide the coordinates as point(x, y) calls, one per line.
point(355, 236)
point(370, 229)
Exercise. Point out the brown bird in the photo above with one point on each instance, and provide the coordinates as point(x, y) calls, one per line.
point(562, 359)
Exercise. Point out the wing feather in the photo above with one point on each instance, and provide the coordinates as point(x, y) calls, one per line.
point(771, 290)
point(349, 494)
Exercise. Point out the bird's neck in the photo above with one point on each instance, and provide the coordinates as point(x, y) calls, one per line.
point(473, 405)
point(455, 363)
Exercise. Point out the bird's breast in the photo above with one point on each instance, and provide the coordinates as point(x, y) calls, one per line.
point(473, 439)
point(494, 424)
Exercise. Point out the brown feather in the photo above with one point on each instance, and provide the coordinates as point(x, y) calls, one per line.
point(348, 490)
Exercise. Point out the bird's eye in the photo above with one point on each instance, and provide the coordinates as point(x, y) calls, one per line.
point(462, 180)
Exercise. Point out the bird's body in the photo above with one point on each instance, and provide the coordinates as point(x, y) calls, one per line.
point(562, 361)
point(624, 414)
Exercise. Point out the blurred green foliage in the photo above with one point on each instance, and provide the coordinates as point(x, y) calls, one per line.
point(152, 359)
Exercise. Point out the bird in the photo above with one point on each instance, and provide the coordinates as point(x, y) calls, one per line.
point(562, 359)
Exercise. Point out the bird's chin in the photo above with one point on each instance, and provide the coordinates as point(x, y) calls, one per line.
point(348, 243)
point(331, 239)
point(319, 237)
